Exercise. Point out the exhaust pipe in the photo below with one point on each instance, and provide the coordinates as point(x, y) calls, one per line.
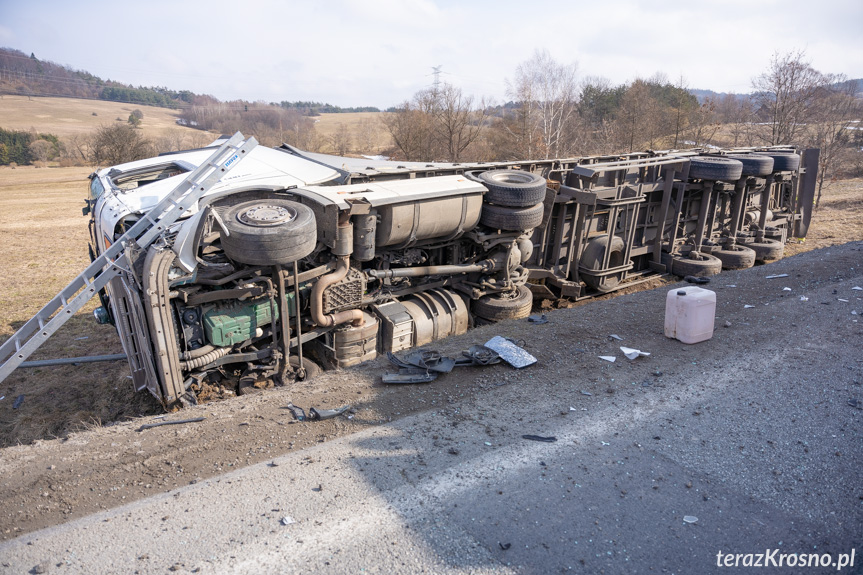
point(355, 316)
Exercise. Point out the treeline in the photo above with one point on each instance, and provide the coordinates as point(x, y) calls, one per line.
point(28, 76)
point(23, 148)
point(317, 108)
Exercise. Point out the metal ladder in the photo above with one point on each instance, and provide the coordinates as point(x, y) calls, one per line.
point(113, 261)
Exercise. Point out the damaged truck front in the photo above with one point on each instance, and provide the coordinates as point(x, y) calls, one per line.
point(296, 262)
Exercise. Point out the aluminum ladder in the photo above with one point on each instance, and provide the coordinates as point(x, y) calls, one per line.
point(113, 261)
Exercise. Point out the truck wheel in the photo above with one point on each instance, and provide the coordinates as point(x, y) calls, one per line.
point(767, 250)
point(754, 164)
point(511, 219)
point(513, 188)
point(714, 168)
point(696, 264)
point(506, 305)
point(269, 232)
point(312, 368)
point(784, 161)
point(592, 257)
point(736, 258)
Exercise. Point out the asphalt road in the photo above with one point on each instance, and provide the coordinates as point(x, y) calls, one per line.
point(748, 443)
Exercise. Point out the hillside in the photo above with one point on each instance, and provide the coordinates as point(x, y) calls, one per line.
point(65, 117)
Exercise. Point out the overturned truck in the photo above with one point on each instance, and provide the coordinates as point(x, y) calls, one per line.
point(295, 261)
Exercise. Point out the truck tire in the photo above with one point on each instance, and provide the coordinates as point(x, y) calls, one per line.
point(736, 258)
point(513, 188)
point(269, 232)
point(696, 264)
point(715, 168)
point(754, 164)
point(591, 258)
point(511, 219)
point(505, 305)
point(784, 161)
point(767, 250)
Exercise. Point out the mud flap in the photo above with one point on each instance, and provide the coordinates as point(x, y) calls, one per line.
point(806, 191)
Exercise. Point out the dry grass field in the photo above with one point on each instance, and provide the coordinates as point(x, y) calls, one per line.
point(65, 117)
point(366, 129)
point(43, 245)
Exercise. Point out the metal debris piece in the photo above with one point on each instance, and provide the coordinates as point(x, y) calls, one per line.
point(482, 355)
point(410, 375)
point(175, 422)
point(610, 358)
point(287, 520)
point(510, 352)
point(550, 439)
point(776, 276)
point(321, 414)
point(586, 393)
point(840, 299)
point(857, 288)
point(537, 319)
point(297, 412)
point(804, 298)
point(632, 353)
point(690, 519)
point(18, 401)
point(747, 306)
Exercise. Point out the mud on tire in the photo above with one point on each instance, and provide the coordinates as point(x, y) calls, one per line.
point(696, 264)
point(506, 305)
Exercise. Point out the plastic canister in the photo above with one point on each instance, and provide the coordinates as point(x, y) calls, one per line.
point(689, 314)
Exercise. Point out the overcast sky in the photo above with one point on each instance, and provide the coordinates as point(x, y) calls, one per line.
point(380, 52)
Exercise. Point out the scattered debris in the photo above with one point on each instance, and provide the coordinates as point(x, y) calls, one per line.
point(175, 422)
point(537, 319)
point(840, 299)
point(586, 393)
point(2, 397)
point(409, 375)
point(297, 412)
point(321, 414)
point(453, 451)
point(286, 520)
point(571, 408)
point(488, 444)
point(632, 353)
point(854, 402)
point(272, 464)
point(857, 288)
point(786, 289)
point(776, 276)
point(804, 298)
point(610, 358)
point(18, 401)
point(696, 280)
point(747, 306)
point(510, 352)
point(615, 336)
point(550, 439)
point(727, 323)
point(504, 546)
point(690, 519)
point(731, 285)
point(482, 355)
point(605, 443)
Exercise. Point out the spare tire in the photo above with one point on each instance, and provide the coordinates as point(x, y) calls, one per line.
point(506, 305)
point(269, 232)
point(513, 188)
point(784, 161)
point(714, 168)
point(754, 164)
point(511, 219)
point(592, 257)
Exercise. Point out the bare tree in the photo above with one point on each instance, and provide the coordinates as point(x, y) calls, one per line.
point(368, 135)
point(837, 110)
point(341, 140)
point(410, 127)
point(117, 144)
point(785, 95)
point(457, 123)
point(736, 113)
point(548, 93)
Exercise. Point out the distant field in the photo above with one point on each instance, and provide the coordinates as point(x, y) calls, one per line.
point(66, 117)
point(367, 131)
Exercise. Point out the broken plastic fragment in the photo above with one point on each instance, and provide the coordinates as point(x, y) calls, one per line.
point(287, 520)
point(631, 353)
point(747, 306)
point(786, 289)
point(511, 353)
point(690, 518)
point(776, 276)
point(571, 408)
point(610, 358)
point(550, 439)
point(586, 393)
point(537, 319)
point(840, 299)
point(857, 288)
point(320, 414)
point(804, 298)
point(731, 285)
point(615, 336)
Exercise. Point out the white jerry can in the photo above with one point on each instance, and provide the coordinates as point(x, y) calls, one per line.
point(689, 314)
